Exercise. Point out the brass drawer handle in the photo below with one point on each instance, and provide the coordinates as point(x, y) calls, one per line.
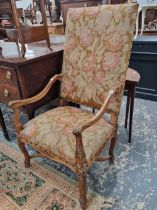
point(6, 93)
point(8, 75)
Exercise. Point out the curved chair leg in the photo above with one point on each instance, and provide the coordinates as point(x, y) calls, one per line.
point(83, 190)
point(25, 153)
point(81, 168)
point(111, 149)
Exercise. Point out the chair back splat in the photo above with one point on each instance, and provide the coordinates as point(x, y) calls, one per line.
point(97, 51)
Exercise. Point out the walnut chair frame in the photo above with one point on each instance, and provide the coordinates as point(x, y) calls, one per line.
point(80, 157)
point(113, 91)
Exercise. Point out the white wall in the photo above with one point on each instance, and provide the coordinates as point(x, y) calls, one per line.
point(23, 3)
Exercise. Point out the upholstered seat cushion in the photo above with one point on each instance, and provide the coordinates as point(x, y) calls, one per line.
point(51, 132)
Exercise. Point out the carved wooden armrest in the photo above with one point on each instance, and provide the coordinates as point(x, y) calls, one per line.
point(15, 105)
point(80, 156)
point(19, 103)
point(99, 114)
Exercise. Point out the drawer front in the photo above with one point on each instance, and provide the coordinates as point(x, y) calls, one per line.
point(7, 74)
point(8, 92)
point(144, 47)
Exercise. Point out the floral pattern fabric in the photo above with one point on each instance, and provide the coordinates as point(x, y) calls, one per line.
point(52, 133)
point(97, 49)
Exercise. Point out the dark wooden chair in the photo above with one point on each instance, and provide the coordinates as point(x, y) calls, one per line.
point(132, 79)
point(66, 4)
point(93, 74)
point(28, 34)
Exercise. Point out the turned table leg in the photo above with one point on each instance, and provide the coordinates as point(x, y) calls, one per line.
point(132, 79)
point(2, 123)
point(131, 111)
point(127, 108)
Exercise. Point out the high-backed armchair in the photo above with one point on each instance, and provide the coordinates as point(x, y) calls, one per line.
point(97, 51)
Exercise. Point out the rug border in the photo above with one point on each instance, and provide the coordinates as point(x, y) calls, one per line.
point(52, 169)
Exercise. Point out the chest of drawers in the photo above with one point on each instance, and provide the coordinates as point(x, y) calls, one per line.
point(144, 60)
point(22, 78)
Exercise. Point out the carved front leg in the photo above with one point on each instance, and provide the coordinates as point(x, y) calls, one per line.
point(81, 169)
point(114, 122)
point(25, 153)
point(18, 127)
point(83, 190)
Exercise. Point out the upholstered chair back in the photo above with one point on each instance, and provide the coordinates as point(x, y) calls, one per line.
point(97, 49)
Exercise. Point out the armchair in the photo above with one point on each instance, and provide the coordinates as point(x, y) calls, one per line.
point(96, 57)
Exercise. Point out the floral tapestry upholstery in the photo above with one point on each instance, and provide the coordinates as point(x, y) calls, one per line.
point(97, 49)
point(51, 133)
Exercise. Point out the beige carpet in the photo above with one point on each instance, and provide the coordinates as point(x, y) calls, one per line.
point(38, 188)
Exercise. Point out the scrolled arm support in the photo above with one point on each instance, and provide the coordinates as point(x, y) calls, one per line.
point(42, 94)
point(15, 105)
point(100, 113)
point(16, 120)
point(80, 156)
